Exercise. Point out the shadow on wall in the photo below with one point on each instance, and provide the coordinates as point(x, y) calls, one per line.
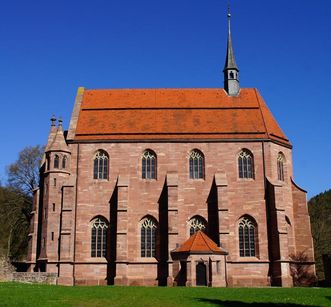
point(217, 302)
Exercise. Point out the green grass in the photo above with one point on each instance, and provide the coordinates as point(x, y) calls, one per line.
point(15, 294)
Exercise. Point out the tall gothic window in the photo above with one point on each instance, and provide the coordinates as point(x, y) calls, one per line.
point(197, 223)
point(247, 237)
point(56, 161)
point(148, 238)
point(100, 168)
point(148, 165)
point(280, 166)
point(196, 162)
point(64, 162)
point(99, 238)
point(246, 164)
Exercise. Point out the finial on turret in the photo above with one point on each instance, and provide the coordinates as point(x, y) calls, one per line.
point(60, 121)
point(53, 120)
point(229, 11)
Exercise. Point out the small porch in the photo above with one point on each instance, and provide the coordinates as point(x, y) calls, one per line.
point(199, 262)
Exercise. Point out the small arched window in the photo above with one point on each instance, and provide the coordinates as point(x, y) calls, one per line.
point(64, 162)
point(247, 237)
point(99, 238)
point(100, 167)
point(148, 165)
point(197, 223)
point(196, 163)
point(56, 161)
point(245, 164)
point(148, 237)
point(280, 166)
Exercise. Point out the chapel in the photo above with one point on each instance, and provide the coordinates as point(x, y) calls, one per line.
point(169, 187)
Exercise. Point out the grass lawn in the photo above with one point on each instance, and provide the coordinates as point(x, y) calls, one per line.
point(15, 294)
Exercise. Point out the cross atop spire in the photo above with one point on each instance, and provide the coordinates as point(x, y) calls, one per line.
point(231, 71)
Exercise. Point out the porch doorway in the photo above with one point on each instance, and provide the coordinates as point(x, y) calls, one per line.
point(201, 274)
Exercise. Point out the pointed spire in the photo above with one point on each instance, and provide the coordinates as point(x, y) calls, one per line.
point(231, 71)
point(57, 142)
point(52, 133)
point(230, 62)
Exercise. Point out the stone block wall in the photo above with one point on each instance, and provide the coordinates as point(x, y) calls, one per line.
point(124, 199)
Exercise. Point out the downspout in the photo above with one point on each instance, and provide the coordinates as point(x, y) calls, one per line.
point(226, 271)
point(75, 224)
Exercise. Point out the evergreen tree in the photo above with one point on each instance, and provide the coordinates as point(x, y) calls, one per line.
point(320, 216)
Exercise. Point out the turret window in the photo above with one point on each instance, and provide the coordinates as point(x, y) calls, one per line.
point(196, 164)
point(64, 162)
point(246, 164)
point(100, 167)
point(56, 161)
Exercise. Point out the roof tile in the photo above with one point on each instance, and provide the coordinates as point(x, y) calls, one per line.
point(154, 114)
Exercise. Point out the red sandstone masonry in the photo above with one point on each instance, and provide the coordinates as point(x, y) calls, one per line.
point(186, 198)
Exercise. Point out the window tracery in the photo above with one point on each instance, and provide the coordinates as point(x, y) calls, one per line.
point(100, 167)
point(196, 163)
point(245, 164)
point(99, 238)
point(280, 167)
point(247, 237)
point(148, 238)
point(148, 165)
point(196, 224)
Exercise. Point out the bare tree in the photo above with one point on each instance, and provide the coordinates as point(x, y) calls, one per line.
point(301, 270)
point(24, 173)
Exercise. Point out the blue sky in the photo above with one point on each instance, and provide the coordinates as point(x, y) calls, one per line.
point(283, 48)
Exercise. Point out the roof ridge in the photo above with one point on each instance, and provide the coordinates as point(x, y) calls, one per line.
point(204, 236)
point(159, 88)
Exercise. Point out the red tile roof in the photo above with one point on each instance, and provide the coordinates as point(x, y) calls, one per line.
point(160, 114)
point(199, 243)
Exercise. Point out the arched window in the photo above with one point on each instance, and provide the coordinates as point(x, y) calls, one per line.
point(247, 237)
point(280, 166)
point(64, 162)
point(196, 161)
point(56, 161)
point(148, 165)
point(148, 238)
point(197, 223)
point(246, 164)
point(100, 168)
point(99, 238)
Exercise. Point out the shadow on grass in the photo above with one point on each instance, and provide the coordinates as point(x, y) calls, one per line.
point(242, 304)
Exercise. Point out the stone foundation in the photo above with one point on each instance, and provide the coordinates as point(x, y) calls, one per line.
point(35, 277)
